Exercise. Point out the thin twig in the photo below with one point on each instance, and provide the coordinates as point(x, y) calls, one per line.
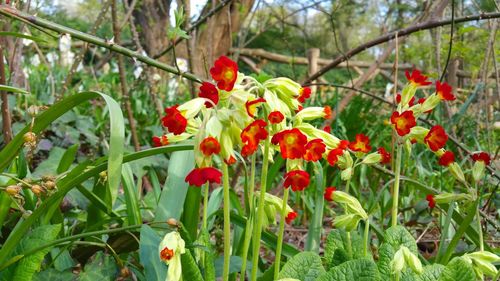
point(451, 40)
point(6, 118)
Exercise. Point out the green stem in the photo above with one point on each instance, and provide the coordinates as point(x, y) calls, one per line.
point(395, 190)
point(478, 215)
point(283, 214)
point(249, 223)
point(367, 243)
point(347, 185)
point(227, 223)
point(349, 246)
point(260, 212)
point(316, 225)
point(205, 206)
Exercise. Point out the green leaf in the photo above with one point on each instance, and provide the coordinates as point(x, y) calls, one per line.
point(398, 236)
point(103, 267)
point(174, 192)
point(26, 267)
point(190, 270)
point(53, 274)
point(10, 89)
point(386, 254)
point(358, 269)
point(336, 247)
point(154, 268)
point(316, 223)
point(431, 272)
point(131, 196)
point(458, 270)
point(21, 35)
point(49, 166)
point(305, 266)
point(67, 159)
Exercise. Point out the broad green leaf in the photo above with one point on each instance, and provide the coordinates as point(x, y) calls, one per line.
point(190, 270)
point(336, 247)
point(49, 166)
point(26, 267)
point(174, 192)
point(102, 267)
point(431, 272)
point(13, 89)
point(67, 159)
point(386, 254)
point(53, 274)
point(154, 268)
point(234, 265)
point(458, 270)
point(398, 236)
point(305, 266)
point(358, 269)
point(62, 259)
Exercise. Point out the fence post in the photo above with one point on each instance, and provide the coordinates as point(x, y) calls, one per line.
point(312, 57)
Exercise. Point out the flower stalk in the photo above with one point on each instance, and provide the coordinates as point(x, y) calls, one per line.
point(395, 190)
point(279, 247)
point(367, 242)
point(227, 222)
point(249, 223)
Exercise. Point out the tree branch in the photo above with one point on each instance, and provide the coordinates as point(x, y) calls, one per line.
point(39, 22)
point(389, 36)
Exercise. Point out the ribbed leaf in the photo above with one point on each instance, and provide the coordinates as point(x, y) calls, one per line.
point(336, 247)
point(431, 272)
point(458, 270)
point(53, 274)
point(305, 266)
point(102, 268)
point(359, 270)
point(398, 236)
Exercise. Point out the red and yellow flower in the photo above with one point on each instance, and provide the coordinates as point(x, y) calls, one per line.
point(160, 141)
point(174, 121)
point(447, 158)
point(200, 176)
point(209, 91)
point(251, 106)
point(290, 217)
point(304, 93)
point(297, 179)
point(361, 144)
point(292, 143)
point(314, 150)
point(430, 201)
point(209, 146)
point(386, 156)
point(329, 193)
point(481, 156)
point(436, 138)
point(333, 156)
point(403, 122)
point(444, 91)
point(275, 117)
point(166, 254)
point(252, 135)
point(416, 78)
point(224, 72)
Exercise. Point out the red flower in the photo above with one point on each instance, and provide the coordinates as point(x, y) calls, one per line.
point(304, 93)
point(481, 156)
point(403, 122)
point(225, 72)
point(174, 121)
point(230, 161)
point(251, 106)
point(329, 193)
point(314, 150)
point(299, 108)
point(327, 129)
point(333, 156)
point(444, 91)
point(436, 138)
point(386, 156)
point(290, 217)
point(166, 254)
point(328, 112)
point(447, 158)
point(297, 179)
point(210, 146)
point(421, 101)
point(430, 199)
point(343, 144)
point(417, 78)
point(252, 135)
point(362, 143)
point(199, 176)
point(292, 143)
point(411, 103)
point(160, 141)
point(209, 91)
point(275, 117)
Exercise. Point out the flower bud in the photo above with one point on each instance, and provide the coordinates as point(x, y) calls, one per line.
point(311, 113)
point(37, 189)
point(346, 174)
point(350, 203)
point(49, 185)
point(348, 222)
point(372, 158)
point(407, 94)
point(485, 256)
point(398, 262)
point(172, 222)
point(418, 133)
point(430, 103)
point(412, 260)
point(13, 190)
point(478, 170)
point(314, 133)
point(32, 110)
point(448, 197)
point(456, 171)
point(191, 108)
point(29, 138)
point(345, 161)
